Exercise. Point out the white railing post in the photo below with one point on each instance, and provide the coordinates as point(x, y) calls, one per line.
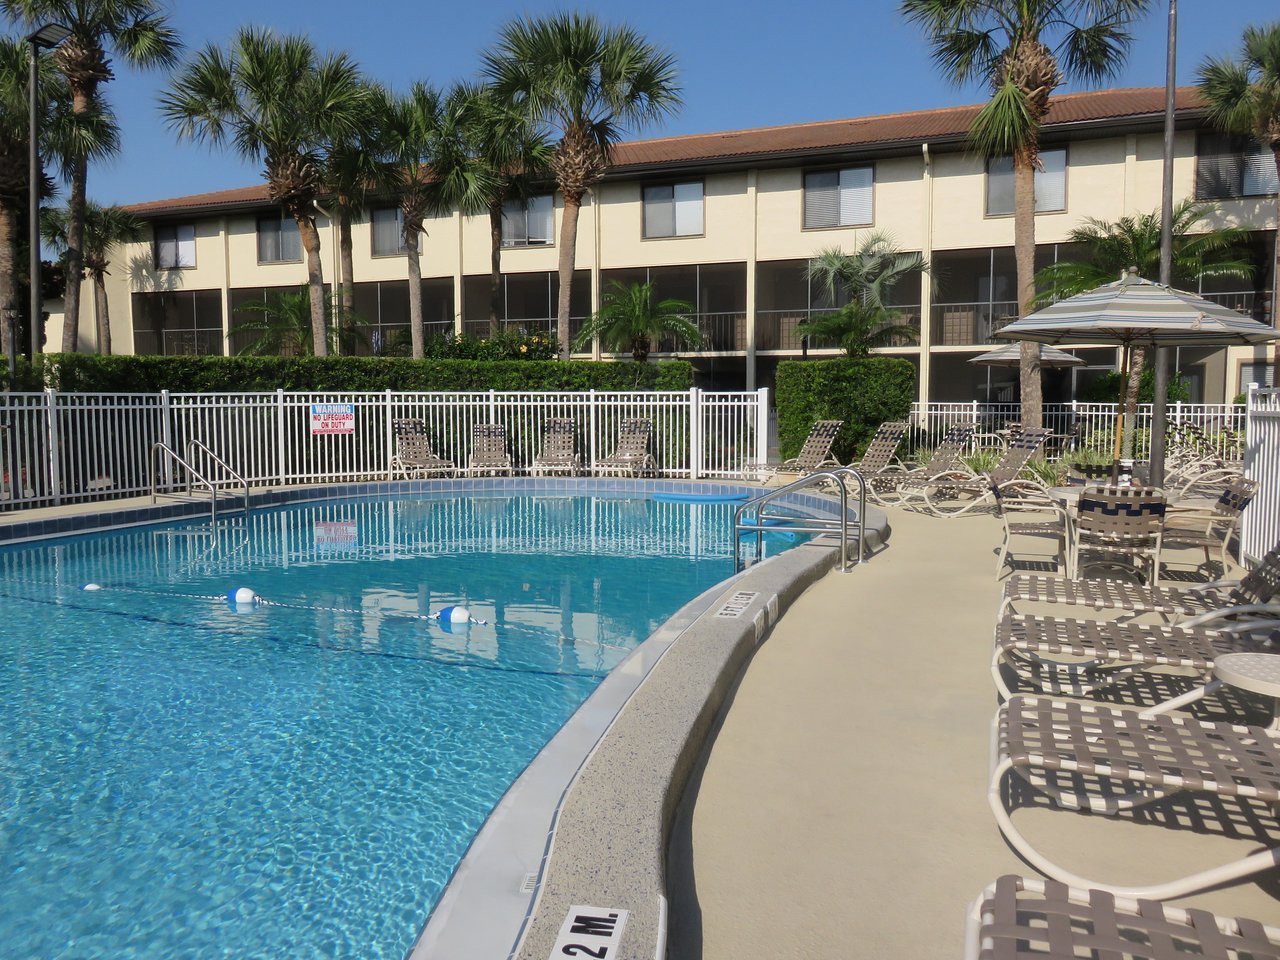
point(51, 431)
point(695, 434)
point(592, 430)
point(493, 406)
point(389, 440)
point(762, 426)
point(282, 454)
point(166, 437)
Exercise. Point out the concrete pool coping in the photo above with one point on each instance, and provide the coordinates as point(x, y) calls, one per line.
point(631, 748)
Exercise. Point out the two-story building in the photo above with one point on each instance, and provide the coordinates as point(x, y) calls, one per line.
point(729, 222)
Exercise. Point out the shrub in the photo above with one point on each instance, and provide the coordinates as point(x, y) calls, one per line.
point(86, 373)
point(863, 393)
point(1106, 389)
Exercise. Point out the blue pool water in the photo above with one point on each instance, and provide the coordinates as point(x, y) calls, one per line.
point(184, 779)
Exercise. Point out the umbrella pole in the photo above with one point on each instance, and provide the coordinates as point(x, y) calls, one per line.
point(1119, 428)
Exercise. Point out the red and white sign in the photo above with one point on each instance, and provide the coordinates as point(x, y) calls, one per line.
point(333, 418)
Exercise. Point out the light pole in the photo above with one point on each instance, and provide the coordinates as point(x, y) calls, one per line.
point(46, 38)
point(1160, 354)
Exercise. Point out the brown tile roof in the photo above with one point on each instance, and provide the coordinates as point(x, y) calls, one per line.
point(949, 123)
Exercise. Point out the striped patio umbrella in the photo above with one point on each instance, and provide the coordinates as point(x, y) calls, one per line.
point(1010, 355)
point(1133, 312)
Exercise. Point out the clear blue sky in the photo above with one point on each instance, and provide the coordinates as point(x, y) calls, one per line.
point(742, 64)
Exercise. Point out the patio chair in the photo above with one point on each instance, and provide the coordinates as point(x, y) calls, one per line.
point(489, 456)
point(1029, 510)
point(1192, 463)
point(1020, 918)
point(893, 487)
point(559, 449)
point(1213, 528)
point(414, 457)
point(814, 455)
point(1103, 652)
point(1087, 756)
point(1258, 588)
point(1119, 522)
point(878, 462)
point(955, 492)
point(632, 457)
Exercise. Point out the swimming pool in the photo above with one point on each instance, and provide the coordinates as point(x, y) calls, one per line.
point(181, 777)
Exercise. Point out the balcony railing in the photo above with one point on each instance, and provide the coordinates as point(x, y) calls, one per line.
point(967, 324)
point(721, 333)
point(776, 329)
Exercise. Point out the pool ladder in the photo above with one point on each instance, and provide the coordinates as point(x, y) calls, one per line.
point(195, 479)
point(763, 522)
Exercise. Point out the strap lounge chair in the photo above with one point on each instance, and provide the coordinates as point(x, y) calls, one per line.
point(1214, 528)
point(1104, 751)
point(1255, 590)
point(1119, 522)
point(879, 462)
point(489, 457)
point(559, 449)
point(632, 457)
point(1073, 658)
point(954, 492)
point(814, 455)
point(414, 457)
point(1020, 918)
point(948, 456)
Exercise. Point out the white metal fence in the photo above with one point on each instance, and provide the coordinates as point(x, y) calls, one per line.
point(59, 448)
point(1261, 527)
point(1223, 423)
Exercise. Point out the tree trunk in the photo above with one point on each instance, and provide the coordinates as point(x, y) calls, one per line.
point(8, 284)
point(495, 266)
point(315, 282)
point(102, 314)
point(1024, 253)
point(639, 349)
point(415, 290)
point(568, 247)
point(75, 240)
point(1138, 358)
point(347, 286)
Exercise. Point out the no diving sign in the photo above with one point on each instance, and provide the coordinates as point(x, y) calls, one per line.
point(593, 932)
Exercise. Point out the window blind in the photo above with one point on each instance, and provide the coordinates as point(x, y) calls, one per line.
point(855, 197)
point(659, 211)
point(687, 214)
point(175, 245)
point(540, 217)
point(1258, 176)
point(1261, 372)
point(1051, 181)
point(388, 237)
point(839, 198)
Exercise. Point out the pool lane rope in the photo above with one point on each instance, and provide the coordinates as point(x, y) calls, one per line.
point(245, 598)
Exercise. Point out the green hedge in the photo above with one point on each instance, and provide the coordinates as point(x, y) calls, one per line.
point(863, 393)
point(90, 373)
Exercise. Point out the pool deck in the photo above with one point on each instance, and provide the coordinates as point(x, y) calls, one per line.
point(841, 810)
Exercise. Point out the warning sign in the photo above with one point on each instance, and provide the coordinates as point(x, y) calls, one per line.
point(333, 418)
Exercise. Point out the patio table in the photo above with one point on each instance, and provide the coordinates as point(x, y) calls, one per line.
point(1253, 672)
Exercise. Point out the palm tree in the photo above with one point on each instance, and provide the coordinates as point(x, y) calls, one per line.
point(429, 170)
point(1106, 249)
point(516, 153)
point(274, 100)
point(137, 31)
point(283, 327)
point(1023, 50)
point(587, 82)
point(1243, 96)
point(350, 173)
point(862, 281)
point(15, 63)
point(105, 229)
point(628, 319)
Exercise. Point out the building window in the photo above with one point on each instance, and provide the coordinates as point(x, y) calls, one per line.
point(175, 245)
point(387, 227)
point(1050, 184)
point(178, 323)
point(1261, 372)
point(673, 210)
point(1228, 166)
point(838, 198)
point(529, 223)
point(278, 240)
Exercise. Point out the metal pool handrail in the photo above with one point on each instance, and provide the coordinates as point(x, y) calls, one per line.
point(780, 523)
point(194, 475)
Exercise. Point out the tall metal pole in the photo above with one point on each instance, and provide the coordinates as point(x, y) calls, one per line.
point(1166, 249)
point(33, 190)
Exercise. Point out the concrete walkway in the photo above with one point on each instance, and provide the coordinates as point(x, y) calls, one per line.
point(841, 810)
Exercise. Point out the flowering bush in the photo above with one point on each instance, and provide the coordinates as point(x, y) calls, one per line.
point(501, 346)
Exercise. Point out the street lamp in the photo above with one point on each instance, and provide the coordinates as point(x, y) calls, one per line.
point(46, 38)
